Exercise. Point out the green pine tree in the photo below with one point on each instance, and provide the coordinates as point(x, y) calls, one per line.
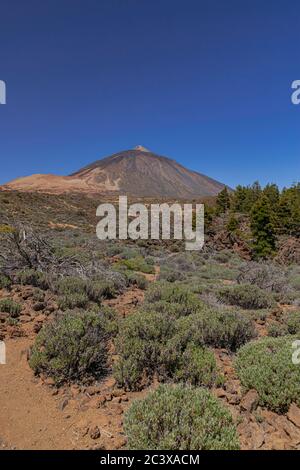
point(223, 201)
point(262, 228)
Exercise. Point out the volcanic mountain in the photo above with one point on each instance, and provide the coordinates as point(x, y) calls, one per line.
point(136, 172)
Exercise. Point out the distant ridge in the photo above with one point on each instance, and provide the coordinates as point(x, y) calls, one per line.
point(136, 172)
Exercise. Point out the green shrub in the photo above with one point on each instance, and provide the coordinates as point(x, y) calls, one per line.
point(294, 277)
point(266, 365)
point(179, 418)
point(139, 345)
point(276, 329)
point(73, 300)
point(138, 264)
point(217, 271)
point(217, 328)
point(137, 279)
point(290, 325)
point(246, 296)
point(100, 289)
point(5, 282)
point(11, 307)
point(197, 366)
point(34, 278)
point(293, 323)
point(70, 285)
point(174, 294)
point(175, 310)
point(73, 347)
point(156, 344)
point(38, 295)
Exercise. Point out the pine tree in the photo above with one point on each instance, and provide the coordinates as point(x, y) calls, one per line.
point(262, 228)
point(232, 224)
point(223, 201)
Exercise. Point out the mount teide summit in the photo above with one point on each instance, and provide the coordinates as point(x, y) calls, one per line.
point(136, 172)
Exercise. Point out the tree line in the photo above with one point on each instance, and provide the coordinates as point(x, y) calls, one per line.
point(271, 212)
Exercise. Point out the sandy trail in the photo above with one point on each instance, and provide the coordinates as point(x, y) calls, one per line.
point(29, 417)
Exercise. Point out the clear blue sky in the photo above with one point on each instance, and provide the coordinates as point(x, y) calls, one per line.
point(207, 83)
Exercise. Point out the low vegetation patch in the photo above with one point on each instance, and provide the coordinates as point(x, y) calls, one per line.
point(5, 282)
point(266, 365)
point(11, 307)
point(179, 418)
point(160, 343)
point(138, 264)
point(73, 347)
point(247, 296)
point(34, 278)
point(178, 297)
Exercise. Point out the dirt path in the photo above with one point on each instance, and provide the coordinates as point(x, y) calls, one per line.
point(34, 415)
point(29, 417)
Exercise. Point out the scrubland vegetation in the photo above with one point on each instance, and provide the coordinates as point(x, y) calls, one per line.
point(240, 297)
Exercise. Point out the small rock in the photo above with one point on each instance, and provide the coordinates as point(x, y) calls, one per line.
point(100, 402)
point(116, 400)
point(93, 390)
point(49, 381)
point(3, 316)
point(95, 433)
point(63, 404)
point(220, 393)
point(294, 414)
point(38, 306)
point(250, 401)
point(118, 392)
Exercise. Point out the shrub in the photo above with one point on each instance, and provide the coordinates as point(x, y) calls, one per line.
point(197, 366)
point(139, 344)
point(246, 296)
point(70, 285)
point(73, 347)
point(290, 325)
point(295, 281)
point(217, 328)
point(138, 264)
point(137, 279)
point(217, 271)
point(156, 344)
point(100, 289)
point(275, 330)
point(179, 418)
point(73, 300)
point(266, 365)
point(33, 278)
point(293, 323)
point(174, 294)
point(171, 275)
point(266, 275)
point(38, 295)
point(11, 307)
point(5, 282)
point(174, 310)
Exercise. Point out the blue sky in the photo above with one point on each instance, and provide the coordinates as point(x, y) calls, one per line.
point(206, 83)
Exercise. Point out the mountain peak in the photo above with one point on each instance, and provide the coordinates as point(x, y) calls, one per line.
point(141, 148)
point(136, 172)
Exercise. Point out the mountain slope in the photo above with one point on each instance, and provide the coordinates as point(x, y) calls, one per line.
point(136, 172)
